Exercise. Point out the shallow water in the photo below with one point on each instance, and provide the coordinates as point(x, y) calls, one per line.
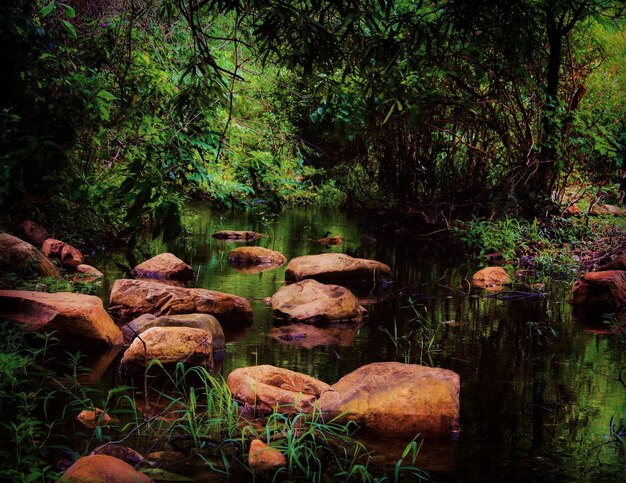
point(538, 390)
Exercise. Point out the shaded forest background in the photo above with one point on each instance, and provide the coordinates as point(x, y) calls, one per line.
point(115, 113)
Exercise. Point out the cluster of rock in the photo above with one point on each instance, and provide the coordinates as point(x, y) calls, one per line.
point(603, 289)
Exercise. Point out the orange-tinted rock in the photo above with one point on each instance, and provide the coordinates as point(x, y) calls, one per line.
point(21, 257)
point(395, 400)
point(237, 235)
point(255, 256)
point(491, 277)
point(360, 275)
point(80, 320)
point(572, 210)
point(607, 210)
point(100, 468)
point(606, 289)
point(92, 418)
point(132, 298)
point(309, 336)
point(164, 266)
point(34, 233)
point(66, 254)
point(194, 321)
point(331, 240)
point(169, 345)
point(311, 302)
point(87, 273)
point(261, 457)
point(267, 387)
point(118, 451)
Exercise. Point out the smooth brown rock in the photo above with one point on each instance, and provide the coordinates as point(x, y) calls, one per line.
point(360, 275)
point(309, 336)
point(255, 256)
point(262, 458)
point(237, 235)
point(164, 266)
point(66, 254)
point(195, 321)
point(395, 400)
point(89, 270)
point(606, 289)
point(124, 453)
point(132, 298)
point(331, 240)
point(169, 345)
point(267, 387)
point(311, 302)
point(80, 320)
point(99, 468)
point(34, 233)
point(491, 277)
point(92, 418)
point(21, 257)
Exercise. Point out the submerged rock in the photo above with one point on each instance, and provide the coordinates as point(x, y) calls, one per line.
point(237, 235)
point(79, 320)
point(66, 254)
point(169, 345)
point(267, 387)
point(164, 266)
point(311, 302)
point(255, 256)
point(491, 277)
point(262, 458)
point(132, 298)
point(309, 336)
point(21, 257)
point(395, 400)
point(118, 451)
point(102, 468)
point(360, 275)
point(606, 289)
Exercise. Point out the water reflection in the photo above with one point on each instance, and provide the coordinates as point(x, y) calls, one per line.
point(537, 391)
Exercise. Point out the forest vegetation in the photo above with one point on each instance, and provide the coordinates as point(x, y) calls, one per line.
point(115, 113)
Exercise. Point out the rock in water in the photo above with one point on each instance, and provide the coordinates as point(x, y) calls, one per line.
point(311, 302)
point(602, 290)
point(255, 256)
point(267, 387)
point(132, 298)
point(395, 400)
point(80, 320)
point(360, 275)
point(99, 468)
point(165, 266)
point(491, 277)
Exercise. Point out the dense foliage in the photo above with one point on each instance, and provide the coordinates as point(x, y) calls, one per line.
point(115, 112)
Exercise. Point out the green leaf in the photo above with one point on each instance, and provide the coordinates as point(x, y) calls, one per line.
point(71, 31)
point(69, 10)
point(106, 95)
point(393, 107)
point(48, 9)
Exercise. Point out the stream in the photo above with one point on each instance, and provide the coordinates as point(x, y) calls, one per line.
point(539, 389)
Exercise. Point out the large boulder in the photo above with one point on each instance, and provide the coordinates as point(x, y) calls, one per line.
point(21, 257)
point(267, 387)
point(100, 468)
point(395, 400)
point(169, 345)
point(360, 275)
point(605, 290)
point(80, 320)
point(491, 277)
point(255, 256)
point(34, 233)
point(237, 235)
point(132, 298)
point(195, 321)
point(66, 254)
point(311, 302)
point(165, 266)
